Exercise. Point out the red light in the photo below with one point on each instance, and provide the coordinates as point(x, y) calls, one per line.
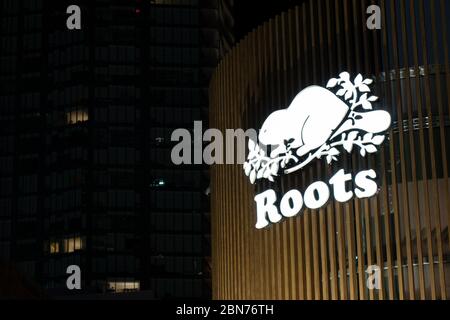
point(138, 11)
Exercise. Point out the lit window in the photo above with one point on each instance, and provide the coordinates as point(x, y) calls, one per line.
point(73, 244)
point(158, 183)
point(77, 116)
point(124, 286)
point(54, 247)
point(78, 243)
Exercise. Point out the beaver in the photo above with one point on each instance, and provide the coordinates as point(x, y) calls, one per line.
point(308, 122)
point(315, 116)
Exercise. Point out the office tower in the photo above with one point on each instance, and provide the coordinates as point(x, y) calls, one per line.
point(86, 120)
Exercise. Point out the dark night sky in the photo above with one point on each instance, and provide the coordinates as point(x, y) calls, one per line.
point(252, 13)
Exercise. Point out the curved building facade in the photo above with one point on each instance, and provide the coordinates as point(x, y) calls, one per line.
point(400, 235)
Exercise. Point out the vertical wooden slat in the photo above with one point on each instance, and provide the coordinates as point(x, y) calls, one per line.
point(444, 163)
point(258, 65)
point(445, 45)
point(276, 235)
point(227, 279)
point(290, 91)
point(349, 212)
point(423, 162)
point(235, 250)
point(220, 195)
point(315, 213)
point(252, 250)
point(357, 204)
point(280, 32)
point(269, 234)
point(231, 219)
point(267, 239)
point(394, 186)
point(325, 275)
point(309, 275)
point(300, 220)
point(244, 90)
point(331, 212)
point(288, 225)
point(232, 258)
point(227, 259)
point(340, 210)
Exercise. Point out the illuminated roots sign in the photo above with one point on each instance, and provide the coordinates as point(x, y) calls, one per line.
point(319, 124)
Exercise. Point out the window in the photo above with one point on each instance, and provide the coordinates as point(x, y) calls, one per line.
point(124, 286)
point(54, 247)
point(73, 244)
point(77, 116)
point(68, 245)
point(158, 183)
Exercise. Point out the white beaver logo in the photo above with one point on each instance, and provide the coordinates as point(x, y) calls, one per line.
point(314, 125)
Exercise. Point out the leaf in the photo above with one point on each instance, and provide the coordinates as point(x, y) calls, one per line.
point(341, 92)
point(373, 98)
point(363, 152)
point(348, 95)
point(247, 168)
point(253, 177)
point(364, 88)
point(371, 148)
point(329, 159)
point(348, 146)
point(352, 136)
point(367, 105)
point(332, 83)
point(348, 86)
point(363, 97)
point(358, 80)
point(266, 174)
point(260, 174)
point(368, 81)
point(334, 152)
point(378, 140)
point(271, 179)
point(345, 76)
